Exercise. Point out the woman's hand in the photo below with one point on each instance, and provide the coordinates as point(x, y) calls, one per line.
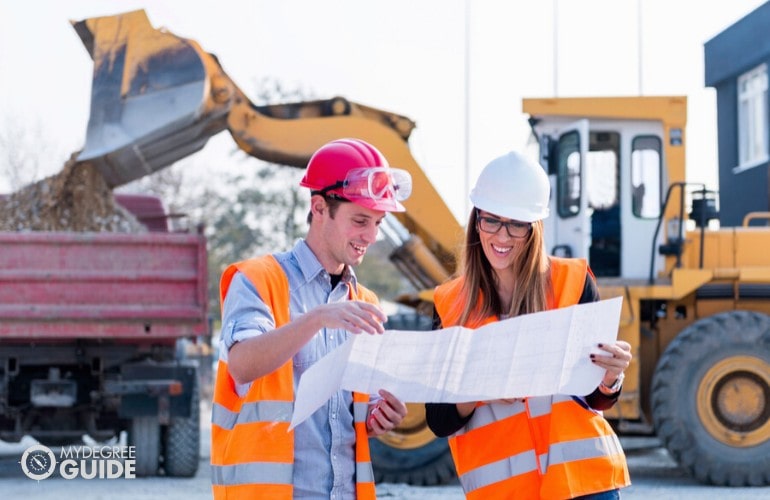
point(616, 362)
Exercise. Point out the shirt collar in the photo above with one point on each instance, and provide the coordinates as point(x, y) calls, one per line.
point(311, 267)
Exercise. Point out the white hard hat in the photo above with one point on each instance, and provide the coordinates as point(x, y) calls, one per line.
point(514, 187)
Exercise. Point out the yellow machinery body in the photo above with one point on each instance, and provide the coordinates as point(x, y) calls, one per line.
point(696, 313)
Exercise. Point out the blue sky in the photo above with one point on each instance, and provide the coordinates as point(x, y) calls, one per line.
point(405, 56)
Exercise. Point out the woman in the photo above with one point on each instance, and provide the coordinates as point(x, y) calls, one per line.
point(557, 446)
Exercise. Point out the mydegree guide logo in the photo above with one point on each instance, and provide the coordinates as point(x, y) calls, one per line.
point(103, 462)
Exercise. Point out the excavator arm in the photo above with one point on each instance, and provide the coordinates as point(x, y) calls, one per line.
point(157, 98)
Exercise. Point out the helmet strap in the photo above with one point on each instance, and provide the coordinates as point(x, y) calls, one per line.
point(324, 192)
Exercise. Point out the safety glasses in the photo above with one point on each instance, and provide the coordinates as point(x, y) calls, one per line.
point(492, 225)
point(375, 183)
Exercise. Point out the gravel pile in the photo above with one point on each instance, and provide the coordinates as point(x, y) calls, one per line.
point(75, 199)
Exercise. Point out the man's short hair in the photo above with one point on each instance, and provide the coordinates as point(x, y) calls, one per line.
point(332, 202)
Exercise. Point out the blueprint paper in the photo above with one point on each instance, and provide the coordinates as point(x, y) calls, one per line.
point(532, 355)
point(316, 389)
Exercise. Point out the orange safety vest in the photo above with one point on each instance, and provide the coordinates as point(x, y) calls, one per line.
point(543, 447)
point(252, 452)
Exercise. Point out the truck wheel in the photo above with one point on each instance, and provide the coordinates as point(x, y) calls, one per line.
point(144, 436)
point(181, 441)
point(410, 453)
point(711, 399)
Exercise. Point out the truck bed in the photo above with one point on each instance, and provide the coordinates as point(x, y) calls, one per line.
point(64, 285)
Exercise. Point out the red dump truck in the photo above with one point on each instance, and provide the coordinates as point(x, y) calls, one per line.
point(91, 326)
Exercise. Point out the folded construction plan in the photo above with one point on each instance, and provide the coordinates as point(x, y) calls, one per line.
point(530, 355)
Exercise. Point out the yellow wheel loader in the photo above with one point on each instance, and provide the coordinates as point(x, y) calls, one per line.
point(696, 295)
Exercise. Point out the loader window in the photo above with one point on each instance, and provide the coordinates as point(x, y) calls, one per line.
point(568, 190)
point(646, 177)
point(602, 179)
point(602, 187)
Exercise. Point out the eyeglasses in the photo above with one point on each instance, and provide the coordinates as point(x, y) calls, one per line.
point(375, 183)
point(514, 228)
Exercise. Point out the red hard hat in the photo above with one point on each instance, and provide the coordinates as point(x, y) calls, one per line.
point(329, 166)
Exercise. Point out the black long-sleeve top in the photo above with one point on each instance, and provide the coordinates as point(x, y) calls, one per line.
point(443, 418)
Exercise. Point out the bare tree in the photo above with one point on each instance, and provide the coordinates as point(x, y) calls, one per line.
point(27, 153)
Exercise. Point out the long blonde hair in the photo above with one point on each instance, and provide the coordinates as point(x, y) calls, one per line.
point(479, 297)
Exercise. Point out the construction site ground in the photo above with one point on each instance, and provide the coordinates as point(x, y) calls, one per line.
point(653, 473)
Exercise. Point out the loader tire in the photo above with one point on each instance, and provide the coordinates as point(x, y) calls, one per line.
point(181, 441)
point(144, 436)
point(428, 465)
point(711, 399)
point(410, 453)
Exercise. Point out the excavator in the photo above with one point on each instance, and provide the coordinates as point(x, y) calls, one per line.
point(157, 98)
point(696, 297)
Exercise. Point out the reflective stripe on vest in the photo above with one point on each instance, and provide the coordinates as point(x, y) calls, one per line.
point(560, 453)
point(251, 473)
point(260, 411)
point(501, 470)
point(537, 406)
point(252, 452)
point(581, 449)
point(561, 449)
point(359, 411)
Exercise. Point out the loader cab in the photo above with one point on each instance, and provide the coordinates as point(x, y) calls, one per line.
point(607, 182)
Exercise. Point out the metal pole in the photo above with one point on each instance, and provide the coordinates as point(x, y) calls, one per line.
point(555, 61)
point(467, 108)
point(639, 41)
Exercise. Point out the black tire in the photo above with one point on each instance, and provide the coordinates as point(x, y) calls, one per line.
point(144, 436)
point(181, 440)
point(711, 399)
point(416, 457)
point(429, 465)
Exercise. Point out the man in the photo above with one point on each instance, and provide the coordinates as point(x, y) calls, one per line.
point(282, 313)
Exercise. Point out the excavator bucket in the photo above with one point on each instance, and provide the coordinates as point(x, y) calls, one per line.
point(149, 97)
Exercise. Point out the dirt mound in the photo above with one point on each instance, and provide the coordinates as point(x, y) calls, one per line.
point(75, 199)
